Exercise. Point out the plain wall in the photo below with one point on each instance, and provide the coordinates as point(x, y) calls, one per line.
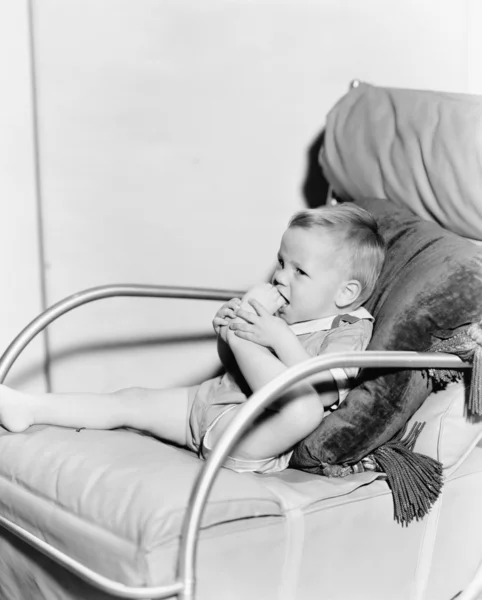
point(20, 268)
point(173, 147)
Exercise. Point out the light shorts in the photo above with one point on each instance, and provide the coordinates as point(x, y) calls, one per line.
point(203, 414)
point(264, 465)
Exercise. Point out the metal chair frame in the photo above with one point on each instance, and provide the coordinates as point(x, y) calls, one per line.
point(184, 588)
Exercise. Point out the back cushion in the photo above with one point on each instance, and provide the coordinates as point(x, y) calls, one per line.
point(421, 149)
point(431, 281)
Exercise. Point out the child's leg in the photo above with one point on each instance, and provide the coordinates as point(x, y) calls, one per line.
point(277, 430)
point(161, 412)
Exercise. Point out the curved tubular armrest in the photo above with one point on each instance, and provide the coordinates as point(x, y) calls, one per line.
point(98, 293)
point(251, 410)
point(184, 586)
point(94, 579)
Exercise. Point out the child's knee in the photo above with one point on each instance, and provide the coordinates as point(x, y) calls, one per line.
point(304, 414)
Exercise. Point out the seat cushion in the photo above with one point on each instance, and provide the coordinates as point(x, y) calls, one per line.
point(110, 499)
point(115, 501)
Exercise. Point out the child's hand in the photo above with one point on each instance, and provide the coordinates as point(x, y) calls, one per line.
point(267, 295)
point(260, 326)
point(225, 314)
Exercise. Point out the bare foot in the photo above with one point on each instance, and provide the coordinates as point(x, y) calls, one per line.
point(267, 295)
point(15, 413)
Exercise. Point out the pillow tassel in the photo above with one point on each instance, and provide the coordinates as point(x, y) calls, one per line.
point(475, 398)
point(415, 479)
point(466, 343)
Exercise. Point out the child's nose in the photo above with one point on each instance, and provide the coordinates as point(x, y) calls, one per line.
point(280, 277)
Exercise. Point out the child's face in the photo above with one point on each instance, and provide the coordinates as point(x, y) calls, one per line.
point(310, 274)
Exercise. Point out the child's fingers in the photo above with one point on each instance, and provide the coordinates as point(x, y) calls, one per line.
point(241, 326)
point(247, 315)
point(226, 311)
point(280, 301)
point(219, 322)
point(232, 304)
point(229, 307)
point(245, 335)
point(244, 331)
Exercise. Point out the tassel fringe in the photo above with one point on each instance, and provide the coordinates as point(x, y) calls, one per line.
point(467, 344)
point(415, 480)
point(475, 398)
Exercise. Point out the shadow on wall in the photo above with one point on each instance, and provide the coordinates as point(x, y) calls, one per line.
point(315, 186)
point(23, 376)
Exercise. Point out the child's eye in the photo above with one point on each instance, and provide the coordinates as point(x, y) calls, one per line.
point(280, 261)
point(300, 272)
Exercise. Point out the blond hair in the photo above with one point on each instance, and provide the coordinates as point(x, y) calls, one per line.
point(359, 237)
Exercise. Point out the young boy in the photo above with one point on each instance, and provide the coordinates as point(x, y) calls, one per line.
point(328, 262)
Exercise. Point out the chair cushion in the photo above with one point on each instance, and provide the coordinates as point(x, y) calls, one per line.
point(115, 501)
point(431, 281)
point(450, 434)
point(421, 149)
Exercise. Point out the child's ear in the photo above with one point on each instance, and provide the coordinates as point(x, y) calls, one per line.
point(348, 293)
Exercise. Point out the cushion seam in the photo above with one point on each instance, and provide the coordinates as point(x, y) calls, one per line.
point(120, 536)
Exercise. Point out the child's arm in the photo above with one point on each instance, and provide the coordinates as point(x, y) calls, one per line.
point(267, 331)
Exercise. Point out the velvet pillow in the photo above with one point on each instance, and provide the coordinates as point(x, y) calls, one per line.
point(431, 281)
point(418, 148)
